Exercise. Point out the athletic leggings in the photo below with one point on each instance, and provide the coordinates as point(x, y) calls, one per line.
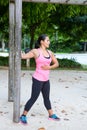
point(37, 87)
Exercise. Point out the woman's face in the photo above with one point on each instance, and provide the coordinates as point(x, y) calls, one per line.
point(46, 42)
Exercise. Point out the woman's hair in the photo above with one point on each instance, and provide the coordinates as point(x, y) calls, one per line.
point(38, 42)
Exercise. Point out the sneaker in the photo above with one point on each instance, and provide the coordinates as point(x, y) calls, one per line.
point(23, 119)
point(54, 117)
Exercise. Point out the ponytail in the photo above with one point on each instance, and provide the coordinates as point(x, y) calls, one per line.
point(38, 42)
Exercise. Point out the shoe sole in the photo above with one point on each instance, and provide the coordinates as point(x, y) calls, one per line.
point(54, 119)
point(20, 122)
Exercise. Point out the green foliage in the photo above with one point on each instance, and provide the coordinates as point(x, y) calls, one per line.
point(69, 63)
point(76, 29)
point(64, 63)
point(4, 22)
point(70, 20)
point(2, 2)
point(32, 63)
point(36, 19)
point(4, 61)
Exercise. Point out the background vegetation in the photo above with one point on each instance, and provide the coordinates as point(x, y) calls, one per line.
point(64, 63)
point(66, 25)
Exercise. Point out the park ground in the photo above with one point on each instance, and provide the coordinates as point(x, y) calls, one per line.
point(68, 97)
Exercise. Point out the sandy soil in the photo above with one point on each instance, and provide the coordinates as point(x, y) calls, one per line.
point(68, 97)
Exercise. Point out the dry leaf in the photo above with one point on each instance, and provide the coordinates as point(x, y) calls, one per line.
point(42, 128)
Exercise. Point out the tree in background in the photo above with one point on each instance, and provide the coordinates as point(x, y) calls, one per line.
point(35, 19)
point(70, 22)
point(4, 22)
point(72, 25)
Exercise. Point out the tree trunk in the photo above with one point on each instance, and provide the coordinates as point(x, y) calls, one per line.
point(3, 45)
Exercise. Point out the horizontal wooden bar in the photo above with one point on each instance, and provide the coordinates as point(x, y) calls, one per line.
point(78, 2)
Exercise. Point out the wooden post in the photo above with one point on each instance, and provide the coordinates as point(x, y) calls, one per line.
point(17, 60)
point(11, 52)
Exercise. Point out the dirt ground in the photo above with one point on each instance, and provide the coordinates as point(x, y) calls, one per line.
point(68, 98)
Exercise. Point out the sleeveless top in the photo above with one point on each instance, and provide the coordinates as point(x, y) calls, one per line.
point(40, 74)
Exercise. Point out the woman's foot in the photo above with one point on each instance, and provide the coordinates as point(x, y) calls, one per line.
point(54, 117)
point(23, 119)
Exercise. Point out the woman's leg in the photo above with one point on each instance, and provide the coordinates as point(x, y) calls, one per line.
point(36, 88)
point(46, 96)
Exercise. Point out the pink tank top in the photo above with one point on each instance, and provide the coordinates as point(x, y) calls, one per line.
point(40, 74)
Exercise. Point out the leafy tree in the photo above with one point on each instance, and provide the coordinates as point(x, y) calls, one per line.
point(4, 19)
point(36, 19)
point(71, 21)
point(2, 2)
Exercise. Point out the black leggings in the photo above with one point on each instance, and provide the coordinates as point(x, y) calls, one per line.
point(37, 86)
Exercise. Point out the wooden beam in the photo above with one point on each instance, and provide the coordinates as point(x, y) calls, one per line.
point(78, 2)
point(17, 60)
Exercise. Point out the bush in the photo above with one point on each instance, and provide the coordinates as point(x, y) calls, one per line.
point(4, 61)
point(32, 63)
point(69, 63)
point(63, 63)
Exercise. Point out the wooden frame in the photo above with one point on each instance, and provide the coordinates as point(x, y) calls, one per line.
point(15, 21)
point(79, 2)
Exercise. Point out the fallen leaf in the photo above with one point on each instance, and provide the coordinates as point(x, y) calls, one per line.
point(42, 128)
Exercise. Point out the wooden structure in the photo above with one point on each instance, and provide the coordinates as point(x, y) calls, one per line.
point(15, 23)
point(79, 2)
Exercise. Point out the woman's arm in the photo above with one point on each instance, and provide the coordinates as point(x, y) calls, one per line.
point(30, 54)
point(54, 64)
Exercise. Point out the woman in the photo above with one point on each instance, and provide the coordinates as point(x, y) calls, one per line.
point(45, 61)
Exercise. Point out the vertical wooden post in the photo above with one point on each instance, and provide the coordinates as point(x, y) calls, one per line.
point(17, 60)
point(11, 52)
